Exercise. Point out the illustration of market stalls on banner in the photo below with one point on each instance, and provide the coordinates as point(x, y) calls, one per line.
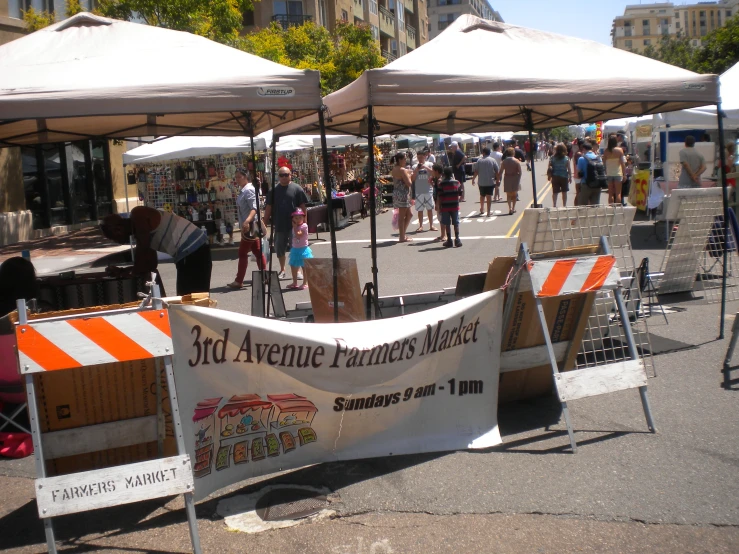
point(250, 428)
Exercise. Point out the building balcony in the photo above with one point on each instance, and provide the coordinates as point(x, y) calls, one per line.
point(387, 22)
point(388, 56)
point(408, 5)
point(358, 9)
point(410, 36)
point(291, 20)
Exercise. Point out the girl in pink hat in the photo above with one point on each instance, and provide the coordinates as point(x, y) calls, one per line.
point(300, 250)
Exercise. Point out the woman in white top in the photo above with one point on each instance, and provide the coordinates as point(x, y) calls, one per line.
point(615, 163)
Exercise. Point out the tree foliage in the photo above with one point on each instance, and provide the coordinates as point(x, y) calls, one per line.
point(718, 52)
point(340, 56)
point(73, 7)
point(561, 134)
point(37, 19)
point(218, 20)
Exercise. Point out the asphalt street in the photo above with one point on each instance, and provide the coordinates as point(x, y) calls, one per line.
point(625, 490)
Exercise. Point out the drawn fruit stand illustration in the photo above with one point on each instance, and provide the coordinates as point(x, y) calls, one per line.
point(243, 419)
point(250, 428)
point(288, 412)
point(205, 421)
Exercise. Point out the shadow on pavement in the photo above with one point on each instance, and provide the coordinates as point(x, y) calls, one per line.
point(84, 239)
point(24, 528)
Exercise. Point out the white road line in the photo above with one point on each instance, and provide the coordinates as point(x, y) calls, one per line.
point(395, 239)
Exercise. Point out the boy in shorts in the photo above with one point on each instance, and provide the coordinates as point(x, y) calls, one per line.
point(449, 194)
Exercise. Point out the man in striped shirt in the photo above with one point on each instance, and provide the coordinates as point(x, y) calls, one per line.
point(449, 193)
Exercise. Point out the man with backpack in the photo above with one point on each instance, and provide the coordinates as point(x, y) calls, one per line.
point(592, 175)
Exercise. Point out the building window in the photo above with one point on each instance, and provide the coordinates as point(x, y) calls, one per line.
point(248, 18)
point(282, 7)
point(375, 31)
point(645, 23)
point(401, 13)
point(728, 13)
point(403, 49)
point(344, 15)
point(677, 24)
point(373, 6)
point(323, 19)
point(449, 2)
point(627, 43)
point(67, 183)
point(647, 42)
point(445, 20)
point(394, 47)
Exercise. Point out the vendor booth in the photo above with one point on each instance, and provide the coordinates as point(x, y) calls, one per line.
point(426, 92)
point(199, 88)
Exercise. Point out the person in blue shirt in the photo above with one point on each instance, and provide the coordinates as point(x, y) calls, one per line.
point(587, 195)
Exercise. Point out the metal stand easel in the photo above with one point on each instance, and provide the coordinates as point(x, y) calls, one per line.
point(555, 274)
point(45, 345)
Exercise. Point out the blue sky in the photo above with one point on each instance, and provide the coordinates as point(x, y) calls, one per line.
point(588, 19)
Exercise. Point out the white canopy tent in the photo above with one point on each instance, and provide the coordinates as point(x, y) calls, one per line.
point(434, 90)
point(92, 77)
point(704, 117)
point(175, 148)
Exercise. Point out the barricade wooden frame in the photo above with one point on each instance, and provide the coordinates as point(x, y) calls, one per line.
point(527, 275)
point(117, 485)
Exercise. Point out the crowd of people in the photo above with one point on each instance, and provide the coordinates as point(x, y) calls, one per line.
point(421, 186)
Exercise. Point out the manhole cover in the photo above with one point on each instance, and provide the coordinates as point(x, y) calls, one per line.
point(284, 504)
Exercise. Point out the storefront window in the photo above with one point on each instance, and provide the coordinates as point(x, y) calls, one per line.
point(101, 178)
point(76, 172)
point(58, 194)
point(67, 183)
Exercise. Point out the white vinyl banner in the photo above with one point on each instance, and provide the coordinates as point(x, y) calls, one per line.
point(259, 395)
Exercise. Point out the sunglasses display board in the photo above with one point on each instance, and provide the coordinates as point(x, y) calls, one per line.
point(202, 190)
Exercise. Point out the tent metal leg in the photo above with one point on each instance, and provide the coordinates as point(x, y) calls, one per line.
point(725, 197)
point(331, 220)
point(373, 204)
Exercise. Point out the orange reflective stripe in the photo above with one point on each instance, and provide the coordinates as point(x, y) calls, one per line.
point(557, 277)
point(158, 320)
point(110, 339)
point(598, 274)
point(42, 351)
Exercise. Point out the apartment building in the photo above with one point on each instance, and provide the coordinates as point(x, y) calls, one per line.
point(443, 12)
point(398, 25)
point(643, 25)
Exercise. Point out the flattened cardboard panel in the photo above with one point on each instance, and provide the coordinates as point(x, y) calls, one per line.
point(100, 394)
point(562, 318)
point(321, 288)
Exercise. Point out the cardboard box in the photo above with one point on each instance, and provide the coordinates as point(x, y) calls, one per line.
point(321, 288)
point(566, 319)
point(100, 394)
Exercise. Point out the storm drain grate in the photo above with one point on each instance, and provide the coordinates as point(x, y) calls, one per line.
point(284, 504)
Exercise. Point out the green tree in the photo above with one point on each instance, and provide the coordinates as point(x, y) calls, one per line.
point(674, 51)
point(560, 134)
point(73, 7)
point(36, 20)
point(719, 51)
point(219, 20)
point(340, 56)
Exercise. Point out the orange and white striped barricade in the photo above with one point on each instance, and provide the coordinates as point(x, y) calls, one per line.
point(89, 339)
point(548, 276)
